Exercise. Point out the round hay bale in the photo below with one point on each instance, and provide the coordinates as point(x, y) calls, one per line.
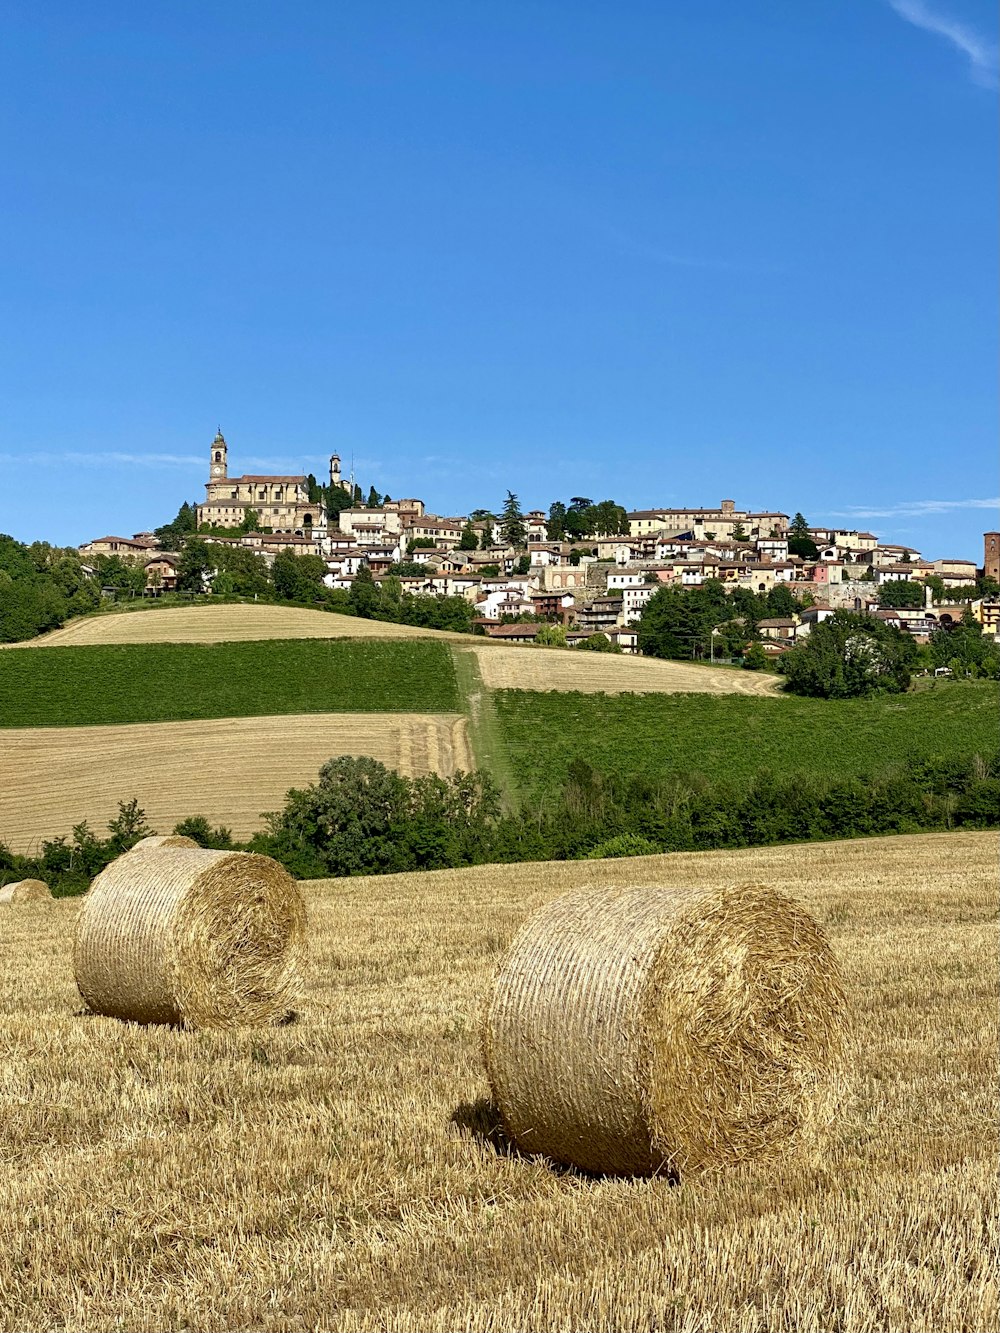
point(163, 840)
point(25, 891)
point(185, 935)
point(634, 1031)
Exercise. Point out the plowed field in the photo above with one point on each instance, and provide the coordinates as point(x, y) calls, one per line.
point(230, 770)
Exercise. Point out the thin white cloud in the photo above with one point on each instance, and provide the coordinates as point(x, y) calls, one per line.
point(980, 52)
point(105, 458)
point(915, 508)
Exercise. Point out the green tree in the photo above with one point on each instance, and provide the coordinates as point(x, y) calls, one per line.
point(599, 643)
point(966, 648)
point(361, 818)
point(740, 532)
point(555, 528)
point(245, 572)
point(199, 830)
point(298, 578)
point(678, 622)
point(314, 490)
point(800, 541)
point(781, 601)
point(374, 500)
point(468, 540)
point(251, 520)
point(171, 535)
point(486, 537)
point(936, 584)
point(512, 526)
point(125, 575)
point(523, 564)
point(336, 500)
point(364, 594)
point(850, 655)
point(755, 659)
point(552, 636)
point(195, 567)
point(901, 593)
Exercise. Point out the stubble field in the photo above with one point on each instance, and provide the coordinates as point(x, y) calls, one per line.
point(230, 769)
point(516, 667)
point(228, 623)
point(336, 1173)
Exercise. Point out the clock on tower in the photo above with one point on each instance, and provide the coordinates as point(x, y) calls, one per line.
point(217, 461)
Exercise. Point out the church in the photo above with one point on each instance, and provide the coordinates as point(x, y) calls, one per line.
point(281, 503)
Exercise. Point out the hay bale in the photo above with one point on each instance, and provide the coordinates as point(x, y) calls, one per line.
point(163, 840)
point(185, 935)
point(633, 1031)
point(25, 891)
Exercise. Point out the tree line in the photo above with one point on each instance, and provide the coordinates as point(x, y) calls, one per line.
point(847, 655)
point(361, 818)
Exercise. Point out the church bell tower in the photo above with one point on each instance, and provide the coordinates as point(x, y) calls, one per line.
point(217, 463)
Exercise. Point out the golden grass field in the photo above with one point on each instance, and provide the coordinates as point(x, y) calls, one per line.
point(229, 769)
point(228, 623)
point(336, 1173)
point(524, 667)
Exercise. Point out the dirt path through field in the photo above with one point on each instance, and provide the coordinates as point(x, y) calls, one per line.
point(229, 770)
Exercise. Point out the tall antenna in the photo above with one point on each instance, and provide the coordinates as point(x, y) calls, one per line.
point(352, 476)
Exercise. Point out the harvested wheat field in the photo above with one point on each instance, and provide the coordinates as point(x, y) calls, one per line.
point(342, 1172)
point(522, 667)
point(228, 623)
point(228, 769)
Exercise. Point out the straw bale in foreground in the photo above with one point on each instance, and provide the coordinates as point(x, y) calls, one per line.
point(185, 935)
point(633, 1031)
point(25, 891)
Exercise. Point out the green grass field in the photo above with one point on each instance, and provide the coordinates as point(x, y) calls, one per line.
point(732, 738)
point(165, 682)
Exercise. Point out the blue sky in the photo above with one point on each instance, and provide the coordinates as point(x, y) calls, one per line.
point(660, 252)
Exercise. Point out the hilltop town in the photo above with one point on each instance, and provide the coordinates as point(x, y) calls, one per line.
point(589, 568)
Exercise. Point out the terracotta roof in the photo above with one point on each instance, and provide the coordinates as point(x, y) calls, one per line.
point(222, 481)
point(523, 631)
point(122, 541)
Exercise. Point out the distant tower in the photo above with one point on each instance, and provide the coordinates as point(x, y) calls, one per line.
point(217, 463)
point(335, 478)
point(991, 555)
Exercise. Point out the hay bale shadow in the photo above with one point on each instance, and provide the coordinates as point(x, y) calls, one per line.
point(482, 1121)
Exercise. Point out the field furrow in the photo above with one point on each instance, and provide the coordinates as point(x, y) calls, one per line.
point(228, 769)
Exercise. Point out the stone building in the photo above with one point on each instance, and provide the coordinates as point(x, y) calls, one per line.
point(281, 503)
point(991, 555)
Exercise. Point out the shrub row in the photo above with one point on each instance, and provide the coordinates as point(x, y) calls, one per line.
point(361, 818)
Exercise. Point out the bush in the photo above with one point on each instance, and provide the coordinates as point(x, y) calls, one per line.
point(849, 656)
point(625, 844)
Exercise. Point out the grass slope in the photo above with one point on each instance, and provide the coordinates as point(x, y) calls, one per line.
point(334, 1173)
point(733, 738)
point(168, 682)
